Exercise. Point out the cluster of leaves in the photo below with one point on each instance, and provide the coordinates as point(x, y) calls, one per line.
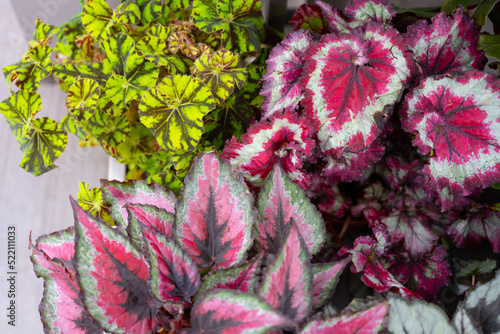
point(152, 82)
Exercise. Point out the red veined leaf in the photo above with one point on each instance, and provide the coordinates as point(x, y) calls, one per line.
point(117, 194)
point(457, 118)
point(59, 245)
point(285, 139)
point(282, 203)
point(480, 222)
point(287, 284)
point(114, 277)
point(351, 82)
point(309, 17)
point(379, 11)
point(230, 311)
point(336, 20)
point(372, 318)
point(325, 279)
point(61, 309)
point(281, 89)
point(153, 218)
point(174, 274)
point(215, 216)
point(448, 44)
point(243, 278)
point(425, 273)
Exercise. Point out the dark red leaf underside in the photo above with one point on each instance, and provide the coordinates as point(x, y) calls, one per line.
point(309, 17)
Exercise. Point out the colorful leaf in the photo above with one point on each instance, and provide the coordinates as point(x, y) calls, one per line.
point(282, 203)
point(218, 71)
point(458, 119)
point(19, 110)
point(288, 283)
point(59, 246)
point(229, 311)
point(372, 318)
point(127, 12)
point(114, 278)
point(448, 44)
point(97, 18)
point(240, 22)
point(118, 194)
point(82, 98)
point(174, 275)
point(151, 9)
point(281, 88)
point(379, 11)
point(214, 216)
point(68, 72)
point(243, 278)
point(285, 139)
point(309, 17)
point(349, 80)
point(337, 21)
point(325, 279)
point(110, 131)
point(33, 67)
point(43, 33)
point(90, 200)
point(174, 109)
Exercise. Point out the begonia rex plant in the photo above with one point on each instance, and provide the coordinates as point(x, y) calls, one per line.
point(377, 148)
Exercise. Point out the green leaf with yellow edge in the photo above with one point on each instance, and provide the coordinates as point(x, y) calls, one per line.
point(231, 118)
point(69, 73)
point(174, 110)
point(44, 143)
point(97, 18)
point(90, 199)
point(218, 71)
point(127, 12)
point(19, 110)
point(239, 21)
point(82, 97)
point(70, 124)
point(33, 67)
point(490, 44)
point(43, 33)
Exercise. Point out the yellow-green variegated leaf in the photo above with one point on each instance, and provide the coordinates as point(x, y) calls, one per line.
point(110, 131)
point(97, 18)
point(19, 110)
point(239, 21)
point(160, 31)
point(174, 110)
point(69, 73)
point(70, 124)
point(90, 200)
point(43, 33)
point(127, 12)
point(151, 9)
point(82, 98)
point(155, 50)
point(218, 71)
point(33, 67)
point(44, 143)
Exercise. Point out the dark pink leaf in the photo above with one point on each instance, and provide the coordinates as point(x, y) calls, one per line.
point(336, 20)
point(379, 11)
point(370, 319)
point(351, 82)
point(309, 17)
point(425, 274)
point(61, 309)
point(243, 278)
point(287, 284)
point(174, 274)
point(230, 311)
point(215, 214)
point(456, 119)
point(114, 277)
point(480, 222)
point(118, 194)
point(285, 140)
point(282, 203)
point(59, 245)
point(327, 196)
point(281, 89)
point(325, 279)
point(153, 218)
point(448, 44)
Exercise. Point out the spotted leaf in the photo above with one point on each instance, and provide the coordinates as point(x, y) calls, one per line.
point(448, 44)
point(214, 217)
point(285, 140)
point(285, 65)
point(114, 278)
point(371, 318)
point(228, 311)
point(240, 22)
point(349, 80)
point(218, 71)
point(282, 203)
point(118, 194)
point(82, 98)
point(174, 109)
point(325, 279)
point(457, 117)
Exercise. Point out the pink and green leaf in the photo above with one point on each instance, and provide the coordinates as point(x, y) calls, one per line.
point(215, 216)
point(288, 283)
point(325, 279)
point(379, 11)
point(282, 203)
point(60, 246)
